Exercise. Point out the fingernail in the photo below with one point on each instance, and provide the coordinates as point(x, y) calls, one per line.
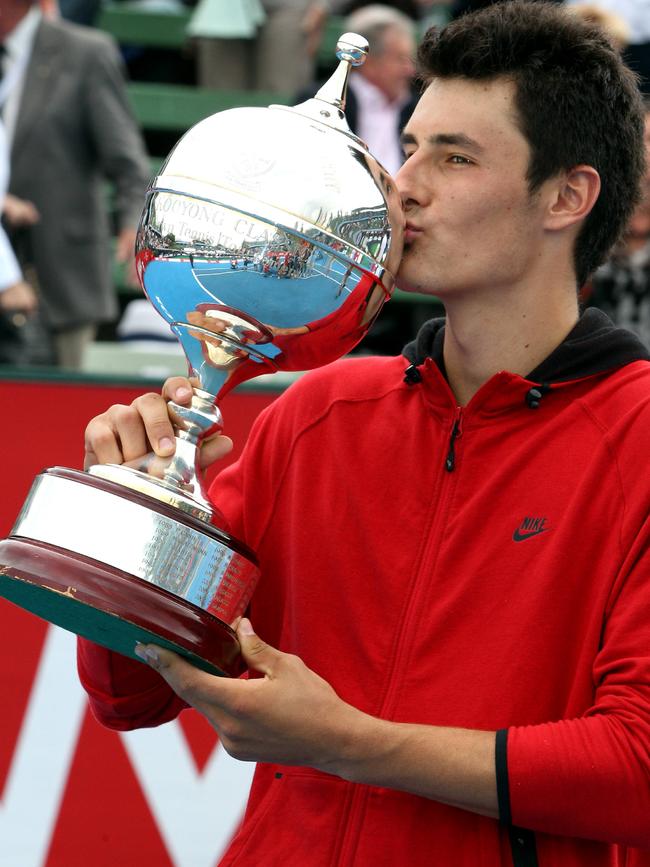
point(182, 393)
point(147, 654)
point(166, 444)
point(246, 627)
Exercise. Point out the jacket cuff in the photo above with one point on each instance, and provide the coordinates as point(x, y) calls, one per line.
point(503, 785)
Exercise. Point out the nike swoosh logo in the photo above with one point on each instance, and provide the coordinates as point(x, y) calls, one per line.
point(517, 536)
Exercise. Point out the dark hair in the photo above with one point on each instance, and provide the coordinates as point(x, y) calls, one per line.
point(577, 102)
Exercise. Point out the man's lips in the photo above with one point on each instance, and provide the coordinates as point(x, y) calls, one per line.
point(411, 232)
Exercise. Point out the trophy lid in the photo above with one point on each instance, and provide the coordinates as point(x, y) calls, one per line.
point(300, 168)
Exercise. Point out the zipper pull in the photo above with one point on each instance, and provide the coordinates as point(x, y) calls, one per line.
point(450, 461)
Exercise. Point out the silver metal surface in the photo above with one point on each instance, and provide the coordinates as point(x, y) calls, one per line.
point(139, 541)
point(269, 242)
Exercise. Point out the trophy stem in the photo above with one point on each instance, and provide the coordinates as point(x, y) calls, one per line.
point(191, 424)
point(351, 50)
point(177, 480)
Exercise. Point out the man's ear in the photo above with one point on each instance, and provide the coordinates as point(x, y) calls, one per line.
point(574, 195)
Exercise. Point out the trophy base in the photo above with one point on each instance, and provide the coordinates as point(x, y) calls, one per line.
point(111, 607)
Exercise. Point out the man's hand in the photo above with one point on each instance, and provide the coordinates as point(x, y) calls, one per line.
point(290, 716)
point(125, 255)
point(126, 433)
point(19, 297)
point(19, 212)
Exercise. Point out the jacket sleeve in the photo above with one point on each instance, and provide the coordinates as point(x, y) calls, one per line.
point(590, 777)
point(114, 131)
point(124, 694)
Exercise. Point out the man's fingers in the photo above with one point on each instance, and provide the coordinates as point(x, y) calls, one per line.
point(130, 433)
point(202, 690)
point(177, 388)
point(124, 433)
point(90, 458)
point(214, 449)
point(101, 442)
point(152, 409)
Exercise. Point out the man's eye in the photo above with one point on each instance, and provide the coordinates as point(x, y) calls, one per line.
point(458, 160)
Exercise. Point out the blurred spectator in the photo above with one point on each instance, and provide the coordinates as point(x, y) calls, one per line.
point(380, 96)
point(411, 8)
point(621, 287)
point(280, 56)
point(636, 14)
point(140, 323)
point(614, 26)
point(80, 11)
point(424, 13)
point(17, 298)
point(66, 113)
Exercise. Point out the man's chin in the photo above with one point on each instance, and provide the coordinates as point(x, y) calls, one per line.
point(409, 283)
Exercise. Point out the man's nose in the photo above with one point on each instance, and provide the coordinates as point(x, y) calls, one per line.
point(406, 186)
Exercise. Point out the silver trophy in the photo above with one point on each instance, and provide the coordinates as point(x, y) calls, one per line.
point(269, 242)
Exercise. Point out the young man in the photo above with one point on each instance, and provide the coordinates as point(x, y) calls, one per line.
point(465, 582)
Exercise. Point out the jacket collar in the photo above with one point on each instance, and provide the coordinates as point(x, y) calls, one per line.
point(40, 78)
point(594, 346)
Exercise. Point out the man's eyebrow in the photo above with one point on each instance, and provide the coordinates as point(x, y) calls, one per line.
point(458, 139)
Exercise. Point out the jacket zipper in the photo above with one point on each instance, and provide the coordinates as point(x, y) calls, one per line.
point(357, 804)
point(456, 431)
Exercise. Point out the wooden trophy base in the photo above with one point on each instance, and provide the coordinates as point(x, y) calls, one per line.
point(111, 607)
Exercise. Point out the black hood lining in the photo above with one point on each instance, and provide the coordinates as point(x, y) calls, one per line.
point(594, 345)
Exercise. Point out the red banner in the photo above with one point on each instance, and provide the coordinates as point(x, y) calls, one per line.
point(73, 794)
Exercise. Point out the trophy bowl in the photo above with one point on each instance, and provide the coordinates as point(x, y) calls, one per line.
point(268, 242)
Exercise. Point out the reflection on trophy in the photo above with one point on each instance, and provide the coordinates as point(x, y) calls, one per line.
point(268, 242)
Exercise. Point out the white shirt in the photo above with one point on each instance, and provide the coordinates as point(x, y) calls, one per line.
point(378, 122)
point(9, 269)
point(18, 47)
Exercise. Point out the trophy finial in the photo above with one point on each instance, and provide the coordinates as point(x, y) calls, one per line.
point(351, 50)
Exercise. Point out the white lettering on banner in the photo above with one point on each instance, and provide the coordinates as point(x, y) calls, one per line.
point(41, 762)
point(196, 812)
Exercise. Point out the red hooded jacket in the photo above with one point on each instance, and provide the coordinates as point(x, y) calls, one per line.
point(484, 567)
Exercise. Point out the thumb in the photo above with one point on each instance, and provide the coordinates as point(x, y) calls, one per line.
point(257, 654)
point(164, 661)
point(187, 681)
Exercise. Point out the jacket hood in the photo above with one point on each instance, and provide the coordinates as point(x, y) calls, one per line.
point(594, 345)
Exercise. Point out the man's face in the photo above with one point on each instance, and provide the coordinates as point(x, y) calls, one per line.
point(471, 221)
point(11, 13)
point(392, 69)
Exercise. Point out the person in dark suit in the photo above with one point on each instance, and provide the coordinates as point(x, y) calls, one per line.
point(380, 95)
point(66, 112)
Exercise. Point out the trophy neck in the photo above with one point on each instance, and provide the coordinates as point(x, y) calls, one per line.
point(192, 423)
point(177, 481)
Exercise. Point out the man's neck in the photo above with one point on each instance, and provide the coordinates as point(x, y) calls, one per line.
point(488, 334)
